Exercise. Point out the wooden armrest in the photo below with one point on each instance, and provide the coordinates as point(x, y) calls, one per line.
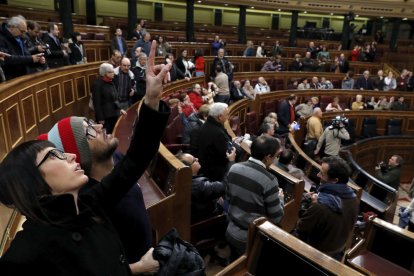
point(238, 267)
point(354, 250)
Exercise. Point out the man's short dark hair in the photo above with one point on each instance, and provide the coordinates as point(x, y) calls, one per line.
point(291, 97)
point(338, 168)
point(399, 160)
point(31, 25)
point(264, 145)
point(286, 157)
point(218, 68)
point(51, 26)
point(265, 127)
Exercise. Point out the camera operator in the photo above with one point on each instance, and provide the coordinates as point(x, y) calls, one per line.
point(332, 137)
point(390, 173)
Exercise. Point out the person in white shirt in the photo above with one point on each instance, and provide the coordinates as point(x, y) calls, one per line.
point(261, 86)
point(390, 83)
point(260, 52)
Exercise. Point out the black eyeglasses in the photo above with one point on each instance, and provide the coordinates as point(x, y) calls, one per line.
point(90, 130)
point(53, 153)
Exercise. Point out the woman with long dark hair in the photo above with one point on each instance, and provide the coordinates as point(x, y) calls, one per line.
point(67, 233)
point(77, 52)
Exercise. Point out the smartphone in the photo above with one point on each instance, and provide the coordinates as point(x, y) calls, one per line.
point(229, 147)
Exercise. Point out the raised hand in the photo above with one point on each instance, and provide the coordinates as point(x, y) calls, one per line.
point(155, 75)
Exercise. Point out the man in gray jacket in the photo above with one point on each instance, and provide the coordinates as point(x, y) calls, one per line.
point(332, 137)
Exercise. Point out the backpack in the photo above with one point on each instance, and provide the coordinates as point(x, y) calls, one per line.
point(178, 257)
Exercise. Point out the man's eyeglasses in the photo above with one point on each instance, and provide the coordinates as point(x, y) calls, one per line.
point(90, 130)
point(194, 160)
point(53, 153)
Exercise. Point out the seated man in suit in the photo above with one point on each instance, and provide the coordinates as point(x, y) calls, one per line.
point(237, 92)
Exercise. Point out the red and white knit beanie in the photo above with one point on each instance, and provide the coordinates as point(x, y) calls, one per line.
point(69, 135)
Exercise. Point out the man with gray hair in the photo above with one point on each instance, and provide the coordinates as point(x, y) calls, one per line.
point(214, 143)
point(17, 59)
point(140, 77)
point(364, 82)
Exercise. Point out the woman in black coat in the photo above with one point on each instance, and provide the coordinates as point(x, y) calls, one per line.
point(67, 233)
point(77, 52)
point(105, 98)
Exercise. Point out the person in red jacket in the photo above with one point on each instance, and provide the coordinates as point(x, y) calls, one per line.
point(195, 96)
point(185, 105)
point(199, 63)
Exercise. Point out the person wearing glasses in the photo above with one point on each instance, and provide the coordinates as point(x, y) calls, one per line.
point(18, 61)
point(253, 192)
point(68, 230)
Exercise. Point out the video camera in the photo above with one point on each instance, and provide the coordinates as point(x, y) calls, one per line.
point(336, 122)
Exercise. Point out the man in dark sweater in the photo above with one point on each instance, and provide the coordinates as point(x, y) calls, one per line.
point(328, 222)
point(214, 143)
point(390, 173)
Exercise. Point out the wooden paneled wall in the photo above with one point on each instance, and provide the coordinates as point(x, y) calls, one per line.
point(30, 105)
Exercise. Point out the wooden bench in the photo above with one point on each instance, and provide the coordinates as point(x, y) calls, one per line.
point(10, 222)
point(166, 185)
point(271, 250)
point(386, 249)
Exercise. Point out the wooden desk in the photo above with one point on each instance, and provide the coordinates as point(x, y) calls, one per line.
point(385, 249)
point(271, 250)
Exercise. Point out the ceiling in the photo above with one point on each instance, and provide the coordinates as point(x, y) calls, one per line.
point(367, 8)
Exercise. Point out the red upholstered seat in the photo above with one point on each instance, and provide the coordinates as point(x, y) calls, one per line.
point(235, 125)
point(378, 265)
point(267, 107)
point(251, 123)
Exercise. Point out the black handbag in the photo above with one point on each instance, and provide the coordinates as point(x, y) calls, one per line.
point(178, 257)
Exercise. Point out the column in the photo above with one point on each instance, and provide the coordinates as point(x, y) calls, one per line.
point(394, 34)
point(189, 23)
point(132, 17)
point(293, 29)
point(346, 33)
point(90, 12)
point(411, 30)
point(242, 25)
point(65, 11)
